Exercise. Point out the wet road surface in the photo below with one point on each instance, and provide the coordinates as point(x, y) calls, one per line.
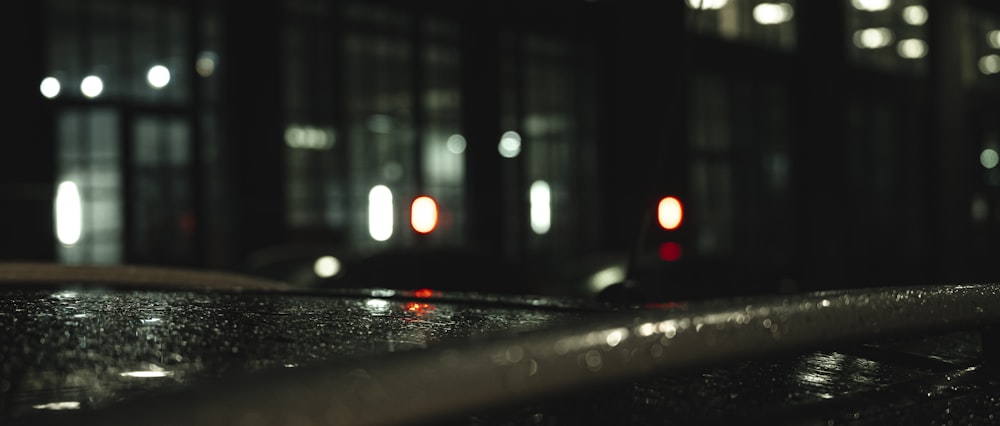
point(68, 353)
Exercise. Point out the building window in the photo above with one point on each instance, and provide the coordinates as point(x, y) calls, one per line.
point(88, 156)
point(550, 167)
point(769, 24)
point(121, 78)
point(982, 62)
point(740, 169)
point(396, 124)
point(442, 143)
point(888, 35)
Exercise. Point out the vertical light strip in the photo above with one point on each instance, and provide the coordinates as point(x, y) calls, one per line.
point(541, 207)
point(69, 214)
point(380, 213)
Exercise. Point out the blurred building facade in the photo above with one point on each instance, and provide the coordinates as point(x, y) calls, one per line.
point(840, 142)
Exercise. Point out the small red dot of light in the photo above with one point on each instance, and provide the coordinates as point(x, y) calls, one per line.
point(670, 251)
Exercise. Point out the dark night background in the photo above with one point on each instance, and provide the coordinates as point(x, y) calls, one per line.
point(838, 147)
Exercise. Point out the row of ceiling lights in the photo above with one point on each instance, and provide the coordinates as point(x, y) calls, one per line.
point(158, 76)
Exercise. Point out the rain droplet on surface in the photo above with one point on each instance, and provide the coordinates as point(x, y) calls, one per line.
point(593, 360)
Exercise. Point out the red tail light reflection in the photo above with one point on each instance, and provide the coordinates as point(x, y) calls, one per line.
point(419, 308)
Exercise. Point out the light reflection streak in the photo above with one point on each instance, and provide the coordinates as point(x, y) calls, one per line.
point(646, 329)
point(605, 277)
point(61, 405)
point(616, 336)
point(383, 292)
point(377, 306)
point(419, 308)
point(65, 294)
point(147, 374)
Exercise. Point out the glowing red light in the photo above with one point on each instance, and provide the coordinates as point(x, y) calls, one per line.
point(669, 213)
point(423, 293)
point(670, 251)
point(423, 215)
point(419, 308)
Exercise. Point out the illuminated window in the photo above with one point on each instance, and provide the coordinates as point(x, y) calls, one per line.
point(548, 103)
point(316, 164)
point(351, 103)
point(540, 198)
point(128, 56)
point(443, 153)
point(915, 15)
point(888, 35)
point(983, 59)
point(90, 226)
point(378, 115)
point(773, 13)
point(768, 24)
